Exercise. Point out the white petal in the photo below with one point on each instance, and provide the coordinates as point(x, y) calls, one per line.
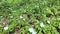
point(48, 22)
point(21, 17)
point(41, 24)
point(31, 29)
point(6, 28)
point(33, 32)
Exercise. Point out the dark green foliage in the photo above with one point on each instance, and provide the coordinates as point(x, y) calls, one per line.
point(24, 14)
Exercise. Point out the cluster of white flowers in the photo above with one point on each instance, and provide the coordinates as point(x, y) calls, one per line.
point(6, 28)
point(32, 30)
point(41, 24)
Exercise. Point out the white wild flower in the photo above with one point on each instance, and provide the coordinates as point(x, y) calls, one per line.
point(6, 28)
point(48, 22)
point(32, 30)
point(41, 24)
point(21, 17)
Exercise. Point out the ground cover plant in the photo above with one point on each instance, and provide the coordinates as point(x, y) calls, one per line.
point(29, 16)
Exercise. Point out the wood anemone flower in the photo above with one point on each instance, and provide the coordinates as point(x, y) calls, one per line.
point(31, 30)
point(41, 24)
point(6, 28)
